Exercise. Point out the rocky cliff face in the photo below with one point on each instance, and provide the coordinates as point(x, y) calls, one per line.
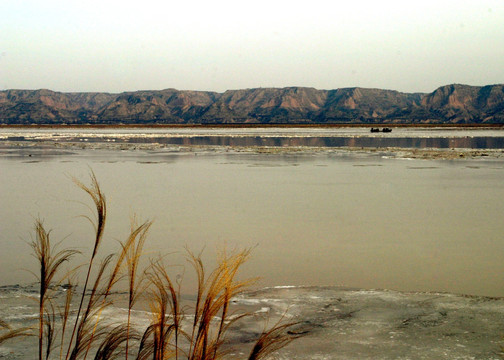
point(165, 106)
point(266, 106)
point(460, 103)
point(49, 107)
point(368, 105)
point(447, 104)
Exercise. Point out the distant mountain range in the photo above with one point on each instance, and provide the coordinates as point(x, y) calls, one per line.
point(451, 104)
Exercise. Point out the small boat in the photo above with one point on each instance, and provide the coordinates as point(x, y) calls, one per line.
point(377, 130)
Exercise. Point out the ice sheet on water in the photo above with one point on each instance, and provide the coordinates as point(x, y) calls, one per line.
point(343, 323)
point(118, 132)
point(377, 324)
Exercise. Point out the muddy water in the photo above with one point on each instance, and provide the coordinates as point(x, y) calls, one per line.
point(325, 219)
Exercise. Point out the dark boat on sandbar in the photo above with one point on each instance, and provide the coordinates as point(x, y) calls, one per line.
point(385, 130)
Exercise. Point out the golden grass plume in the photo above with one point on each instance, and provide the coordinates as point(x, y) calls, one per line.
point(77, 328)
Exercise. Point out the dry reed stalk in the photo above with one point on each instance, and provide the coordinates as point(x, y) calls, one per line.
point(272, 340)
point(49, 263)
point(98, 198)
point(85, 332)
point(110, 348)
point(213, 299)
point(65, 312)
point(133, 254)
point(113, 278)
point(162, 328)
point(167, 314)
point(13, 333)
point(231, 288)
point(50, 326)
point(130, 253)
point(162, 338)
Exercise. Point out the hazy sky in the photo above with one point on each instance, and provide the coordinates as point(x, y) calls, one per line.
point(115, 46)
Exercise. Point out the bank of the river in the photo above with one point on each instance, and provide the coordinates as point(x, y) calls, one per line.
point(30, 148)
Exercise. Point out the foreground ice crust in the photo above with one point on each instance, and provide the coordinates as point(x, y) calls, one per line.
point(340, 323)
point(335, 323)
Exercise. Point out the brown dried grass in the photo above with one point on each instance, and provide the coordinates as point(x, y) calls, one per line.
point(167, 336)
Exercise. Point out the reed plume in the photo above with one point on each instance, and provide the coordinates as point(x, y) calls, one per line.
point(272, 340)
point(110, 348)
point(211, 314)
point(170, 335)
point(49, 261)
point(85, 331)
point(115, 274)
point(167, 315)
point(9, 333)
point(212, 302)
point(94, 191)
point(64, 312)
point(133, 251)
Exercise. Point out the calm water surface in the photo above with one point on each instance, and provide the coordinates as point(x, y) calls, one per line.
point(324, 219)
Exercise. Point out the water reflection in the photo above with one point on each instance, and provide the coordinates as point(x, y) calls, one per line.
point(329, 141)
point(272, 137)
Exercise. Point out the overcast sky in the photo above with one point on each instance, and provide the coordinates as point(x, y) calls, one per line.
point(115, 46)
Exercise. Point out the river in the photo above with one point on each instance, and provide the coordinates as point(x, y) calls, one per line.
point(357, 219)
point(365, 246)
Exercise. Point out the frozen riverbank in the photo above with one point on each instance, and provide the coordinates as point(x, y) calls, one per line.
point(403, 142)
point(48, 148)
point(339, 323)
point(377, 324)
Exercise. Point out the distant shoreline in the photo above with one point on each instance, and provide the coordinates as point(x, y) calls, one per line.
point(37, 148)
point(56, 140)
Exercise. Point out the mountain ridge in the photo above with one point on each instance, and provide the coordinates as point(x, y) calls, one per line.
point(448, 104)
